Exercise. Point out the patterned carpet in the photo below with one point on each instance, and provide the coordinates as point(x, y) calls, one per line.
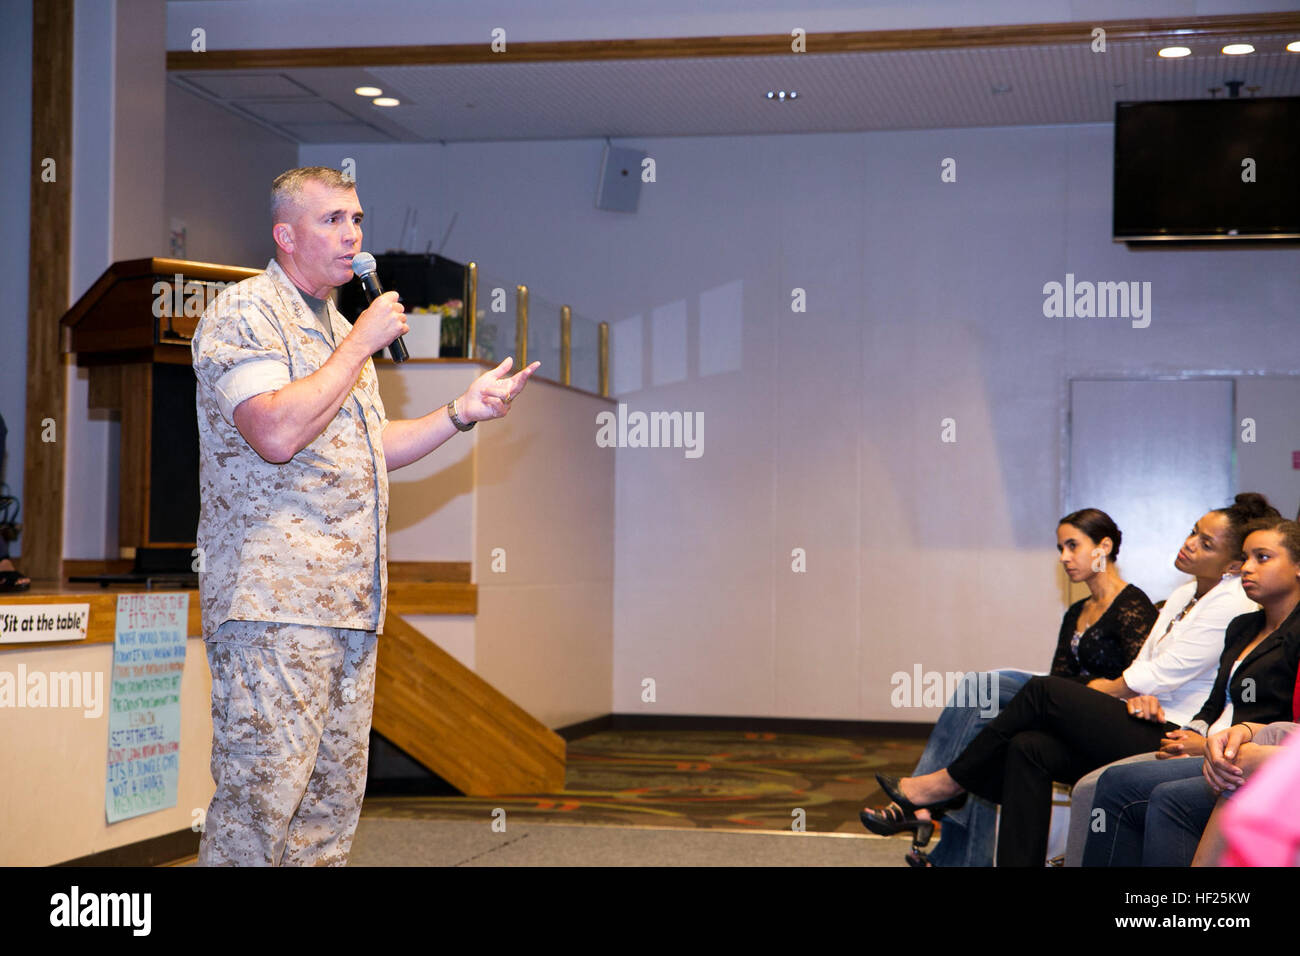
point(704, 779)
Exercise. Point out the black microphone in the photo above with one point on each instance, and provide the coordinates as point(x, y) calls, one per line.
point(363, 264)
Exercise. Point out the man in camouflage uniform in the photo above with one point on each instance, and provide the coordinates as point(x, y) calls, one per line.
point(295, 450)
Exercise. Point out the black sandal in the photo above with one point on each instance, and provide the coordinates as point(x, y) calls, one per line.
point(892, 819)
point(9, 582)
point(901, 814)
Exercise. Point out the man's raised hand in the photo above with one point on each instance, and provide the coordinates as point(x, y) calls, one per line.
point(492, 392)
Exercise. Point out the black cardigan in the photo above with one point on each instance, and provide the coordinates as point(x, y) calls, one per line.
point(1109, 646)
point(1270, 667)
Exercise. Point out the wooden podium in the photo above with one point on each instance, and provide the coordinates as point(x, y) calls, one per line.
point(132, 331)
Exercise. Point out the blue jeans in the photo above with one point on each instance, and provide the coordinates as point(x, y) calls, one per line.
point(1154, 814)
point(968, 834)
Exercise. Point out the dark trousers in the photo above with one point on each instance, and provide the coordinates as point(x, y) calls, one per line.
point(1054, 729)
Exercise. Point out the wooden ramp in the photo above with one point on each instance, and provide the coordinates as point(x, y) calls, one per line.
point(457, 724)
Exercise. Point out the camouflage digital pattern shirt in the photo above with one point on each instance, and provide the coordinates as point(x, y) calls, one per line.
point(303, 542)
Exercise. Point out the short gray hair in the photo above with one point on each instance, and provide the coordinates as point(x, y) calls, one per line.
point(287, 188)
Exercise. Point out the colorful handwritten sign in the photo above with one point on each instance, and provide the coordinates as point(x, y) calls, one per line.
point(144, 715)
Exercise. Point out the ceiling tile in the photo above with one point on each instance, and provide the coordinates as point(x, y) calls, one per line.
point(247, 86)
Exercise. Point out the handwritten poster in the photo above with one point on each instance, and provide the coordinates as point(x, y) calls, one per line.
point(144, 716)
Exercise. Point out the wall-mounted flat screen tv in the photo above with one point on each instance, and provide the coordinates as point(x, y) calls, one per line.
point(1208, 170)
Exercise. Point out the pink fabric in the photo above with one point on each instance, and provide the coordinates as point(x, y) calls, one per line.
point(1261, 824)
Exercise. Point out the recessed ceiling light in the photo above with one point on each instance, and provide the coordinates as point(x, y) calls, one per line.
point(1172, 52)
point(1293, 46)
point(1237, 49)
point(782, 95)
point(368, 91)
point(386, 101)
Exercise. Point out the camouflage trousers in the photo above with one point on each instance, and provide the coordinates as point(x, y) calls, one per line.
point(291, 708)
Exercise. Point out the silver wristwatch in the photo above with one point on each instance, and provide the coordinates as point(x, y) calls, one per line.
point(460, 426)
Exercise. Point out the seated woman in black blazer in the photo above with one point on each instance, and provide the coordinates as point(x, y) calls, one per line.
point(1155, 811)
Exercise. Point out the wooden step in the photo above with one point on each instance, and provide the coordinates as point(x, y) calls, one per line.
point(431, 587)
point(432, 597)
point(455, 723)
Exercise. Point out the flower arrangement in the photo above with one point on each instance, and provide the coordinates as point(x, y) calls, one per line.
point(451, 335)
point(437, 330)
point(452, 327)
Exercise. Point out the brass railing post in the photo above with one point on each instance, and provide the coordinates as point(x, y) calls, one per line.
point(521, 326)
point(566, 345)
point(470, 307)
